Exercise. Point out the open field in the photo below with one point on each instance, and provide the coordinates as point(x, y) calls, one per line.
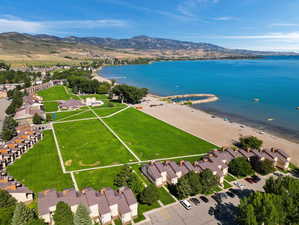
point(54, 93)
point(86, 144)
point(50, 106)
point(98, 178)
point(106, 111)
point(98, 96)
point(151, 138)
point(39, 169)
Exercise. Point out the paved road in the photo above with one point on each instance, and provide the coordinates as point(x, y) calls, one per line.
point(4, 103)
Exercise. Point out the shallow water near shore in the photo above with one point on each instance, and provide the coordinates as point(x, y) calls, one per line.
point(263, 93)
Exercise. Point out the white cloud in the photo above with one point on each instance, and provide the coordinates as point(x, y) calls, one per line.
point(224, 18)
point(284, 25)
point(283, 36)
point(189, 7)
point(7, 25)
point(10, 24)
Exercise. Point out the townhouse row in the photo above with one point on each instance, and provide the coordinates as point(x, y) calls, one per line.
point(104, 205)
point(26, 137)
point(168, 172)
point(43, 86)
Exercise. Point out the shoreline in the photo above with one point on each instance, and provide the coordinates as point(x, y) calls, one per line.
point(204, 124)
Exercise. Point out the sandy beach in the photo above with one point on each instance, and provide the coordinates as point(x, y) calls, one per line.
point(96, 76)
point(213, 129)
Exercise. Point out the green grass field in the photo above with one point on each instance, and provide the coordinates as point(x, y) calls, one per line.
point(86, 144)
point(98, 96)
point(39, 169)
point(50, 106)
point(54, 93)
point(97, 179)
point(106, 111)
point(151, 138)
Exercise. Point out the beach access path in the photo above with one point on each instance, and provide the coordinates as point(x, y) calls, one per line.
point(213, 129)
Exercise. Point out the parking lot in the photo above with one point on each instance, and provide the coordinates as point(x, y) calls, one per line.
point(224, 212)
point(197, 215)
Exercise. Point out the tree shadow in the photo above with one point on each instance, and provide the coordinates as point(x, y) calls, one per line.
point(226, 212)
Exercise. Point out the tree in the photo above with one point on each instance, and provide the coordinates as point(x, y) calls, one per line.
point(81, 216)
point(63, 214)
point(149, 195)
point(240, 167)
point(135, 184)
point(278, 205)
point(183, 188)
point(6, 214)
point(208, 180)
point(263, 167)
point(248, 215)
point(129, 94)
point(37, 119)
point(36, 222)
point(250, 142)
point(22, 215)
point(6, 200)
point(9, 128)
point(123, 176)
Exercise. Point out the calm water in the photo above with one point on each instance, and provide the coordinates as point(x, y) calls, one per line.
point(273, 80)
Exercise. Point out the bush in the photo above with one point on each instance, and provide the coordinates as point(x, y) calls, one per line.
point(63, 214)
point(37, 119)
point(250, 142)
point(262, 167)
point(240, 167)
point(149, 195)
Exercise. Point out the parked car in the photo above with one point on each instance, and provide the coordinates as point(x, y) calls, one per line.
point(186, 204)
point(239, 185)
point(255, 178)
point(211, 211)
point(278, 174)
point(234, 191)
point(230, 194)
point(195, 201)
point(204, 199)
point(249, 180)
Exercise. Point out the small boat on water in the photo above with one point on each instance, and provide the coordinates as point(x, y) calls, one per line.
point(270, 119)
point(297, 108)
point(256, 99)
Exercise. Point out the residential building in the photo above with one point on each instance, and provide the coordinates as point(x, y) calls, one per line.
point(15, 189)
point(70, 104)
point(104, 205)
point(161, 173)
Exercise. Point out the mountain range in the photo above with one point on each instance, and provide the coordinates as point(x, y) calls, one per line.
point(21, 46)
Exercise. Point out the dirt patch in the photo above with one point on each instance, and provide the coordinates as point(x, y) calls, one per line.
point(68, 162)
point(92, 164)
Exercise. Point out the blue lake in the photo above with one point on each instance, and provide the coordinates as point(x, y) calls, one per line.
point(273, 80)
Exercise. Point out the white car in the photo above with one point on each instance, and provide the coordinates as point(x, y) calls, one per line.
point(239, 185)
point(186, 204)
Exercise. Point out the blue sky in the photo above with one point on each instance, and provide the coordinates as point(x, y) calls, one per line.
point(248, 24)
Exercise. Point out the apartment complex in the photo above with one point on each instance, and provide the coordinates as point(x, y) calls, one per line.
point(168, 172)
point(104, 205)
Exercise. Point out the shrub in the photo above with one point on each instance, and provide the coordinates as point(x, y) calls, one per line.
point(263, 167)
point(240, 167)
point(149, 195)
point(250, 142)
